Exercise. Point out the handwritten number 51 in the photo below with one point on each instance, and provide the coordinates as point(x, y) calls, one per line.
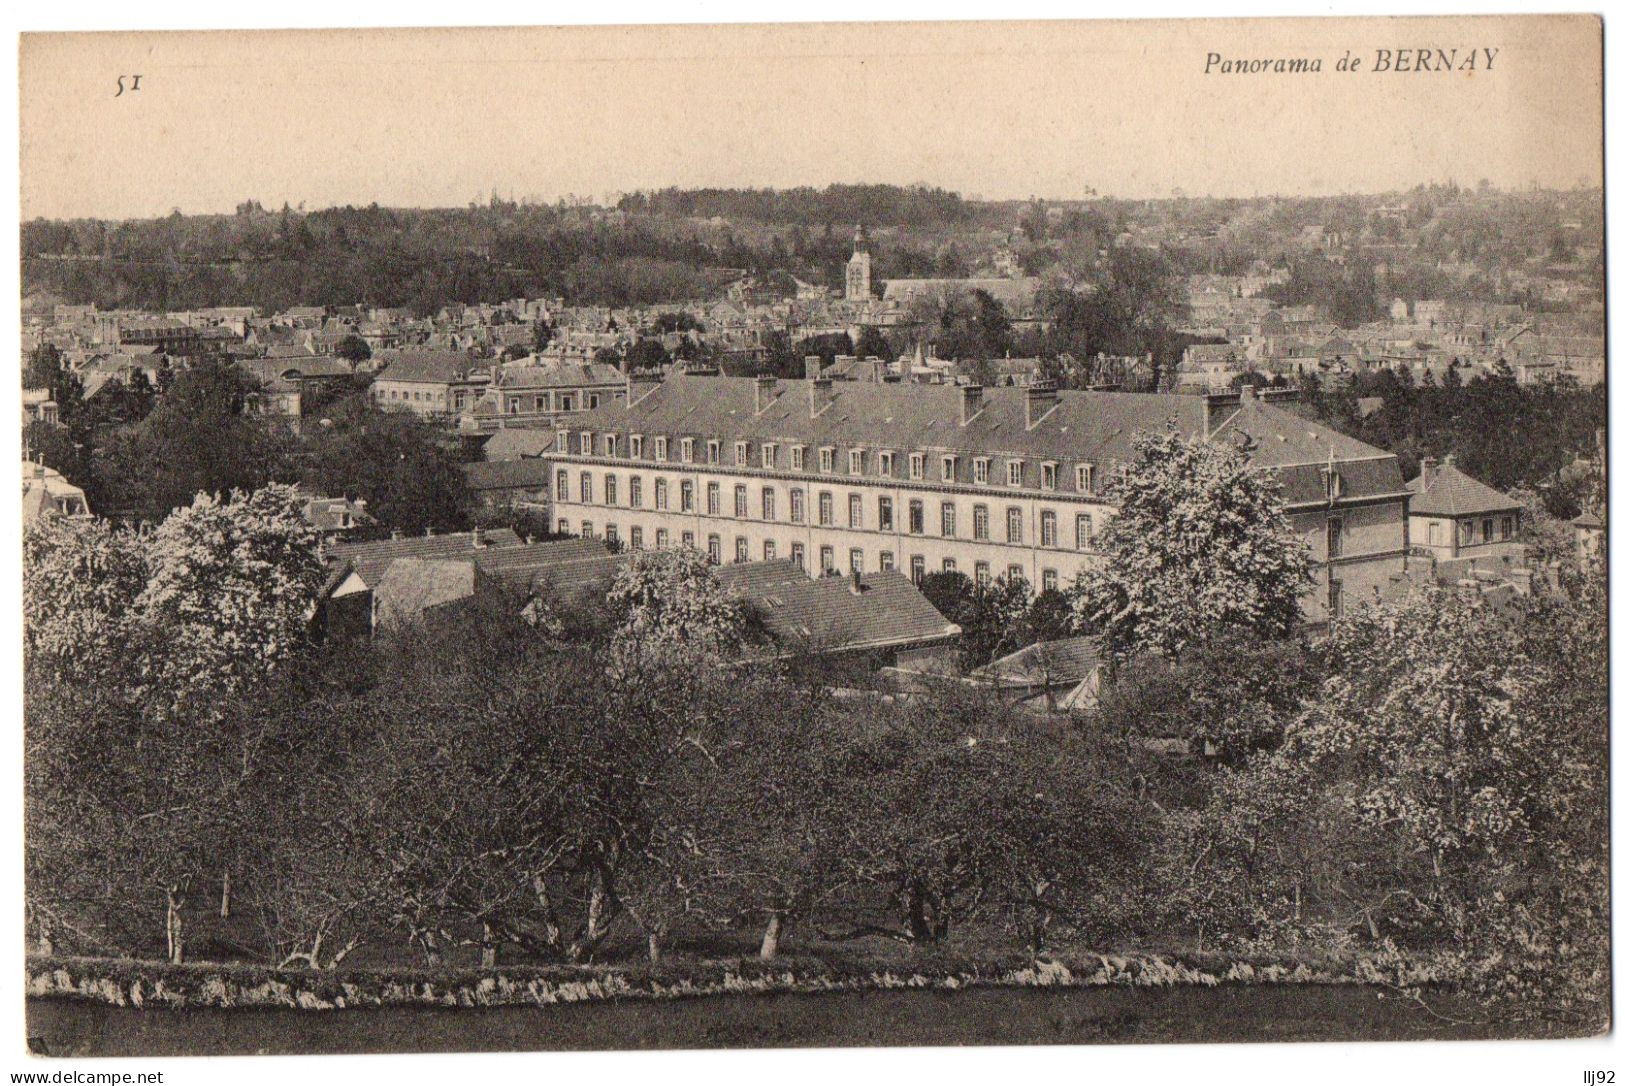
point(135, 84)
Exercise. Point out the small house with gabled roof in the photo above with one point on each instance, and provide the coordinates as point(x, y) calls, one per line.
point(1452, 515)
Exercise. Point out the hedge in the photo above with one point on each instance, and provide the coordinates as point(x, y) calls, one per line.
point(125, 982)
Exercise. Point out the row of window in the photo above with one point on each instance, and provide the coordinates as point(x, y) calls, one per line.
point(947, 521)
point(982, 571)
point(411, 395)
point(885, 463)
point(1474, 532)
point(544, 402)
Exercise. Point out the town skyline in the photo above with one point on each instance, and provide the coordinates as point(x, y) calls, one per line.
point(435, 118)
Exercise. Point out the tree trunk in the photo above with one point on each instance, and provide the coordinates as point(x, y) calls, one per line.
point(172, 926)
point(770, 937)
point(225, 896)
point(552, 933)
point(599, 914)
point(431, 947)
point(488, 946)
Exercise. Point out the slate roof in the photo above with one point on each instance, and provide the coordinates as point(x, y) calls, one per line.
point(565, 376)
point(328, 514)
point(526, 566)
point(1082, 426)
point(1066, 662)
point(517, 443)
point(529, 474)
point(801, 612)
point(370, 559)
point(1453, 493)
point(825, 614)
point(424, 367)
point(749, 578)
point(411, 586)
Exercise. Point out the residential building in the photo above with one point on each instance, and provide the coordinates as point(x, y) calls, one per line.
point(435, 384)
point(918, 478)
point(1590, 536)
point(1452, 515)
point(47, 494)
point(525, 392)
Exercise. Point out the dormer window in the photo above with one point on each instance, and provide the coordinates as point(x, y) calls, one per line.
point(635, 446)
point(1046, 476)
point(950, 468)
point(1013, 472)
point(979, 469)
point(660, 449)
point(916, 465)
point(798, 457)
point(1086, 478)
point(586, 443)
point(885, 461)
point(826, 460)
point(854, 462)
point(561, 441)
point(713, 452)
point(741, 454)
point(610, 443)
point(688, 450)
point(1334, 484)
point(770, 455)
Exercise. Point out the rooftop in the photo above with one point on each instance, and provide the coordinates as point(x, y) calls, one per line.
point(1447, 491)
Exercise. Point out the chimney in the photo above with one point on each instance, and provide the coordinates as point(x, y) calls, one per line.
point(1041, 400)
point(819, 394)
point(767, 390)
point(970, 402)
point(394, 533)
point(1430, 468)
point(857, 583)
point(1248, 392)
point(815, 366)
point(478, 538)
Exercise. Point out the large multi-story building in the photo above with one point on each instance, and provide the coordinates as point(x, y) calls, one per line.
point(858, 475)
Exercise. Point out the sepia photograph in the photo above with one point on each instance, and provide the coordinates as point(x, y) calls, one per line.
point(812, 535)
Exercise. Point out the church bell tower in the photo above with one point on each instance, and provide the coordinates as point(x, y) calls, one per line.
point(857, 268)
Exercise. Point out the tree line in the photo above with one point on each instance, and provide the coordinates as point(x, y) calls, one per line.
point(876, 205)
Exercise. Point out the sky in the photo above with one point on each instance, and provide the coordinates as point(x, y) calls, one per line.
point(441, 117)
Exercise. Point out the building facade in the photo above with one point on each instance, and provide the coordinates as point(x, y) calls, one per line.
point(862, 475)
point(434, 384)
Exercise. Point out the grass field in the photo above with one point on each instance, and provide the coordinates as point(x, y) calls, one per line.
point(1116, 1015)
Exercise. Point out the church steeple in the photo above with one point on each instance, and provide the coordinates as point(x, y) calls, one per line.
point(858, 268)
